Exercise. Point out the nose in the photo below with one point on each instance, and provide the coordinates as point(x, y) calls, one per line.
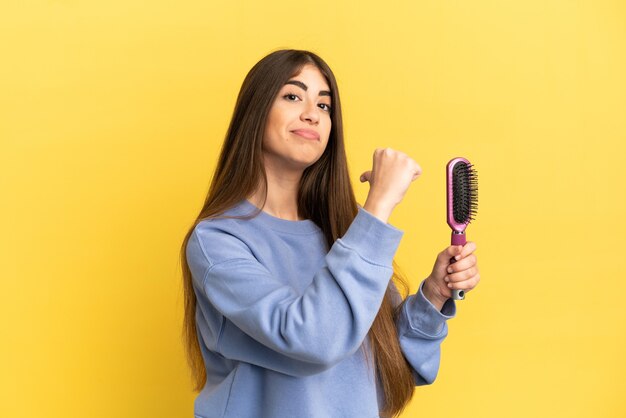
point(309, 113)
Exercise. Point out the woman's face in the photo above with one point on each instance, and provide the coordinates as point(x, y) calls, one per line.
point(298, 124)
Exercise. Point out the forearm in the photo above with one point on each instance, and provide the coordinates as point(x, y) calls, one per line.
point(378, 208)
point(421, 329)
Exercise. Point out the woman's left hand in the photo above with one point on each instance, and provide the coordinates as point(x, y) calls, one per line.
point(462, 275)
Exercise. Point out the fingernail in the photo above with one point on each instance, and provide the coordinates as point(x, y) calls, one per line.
point(450, 285)
point(450, 270)
point(457, 257)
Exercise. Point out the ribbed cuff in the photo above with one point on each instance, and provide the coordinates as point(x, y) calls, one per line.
point(373, 239)
point(424, 317)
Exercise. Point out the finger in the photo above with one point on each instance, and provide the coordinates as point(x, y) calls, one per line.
point(465, 285)
point(463, 264)
point(366, 176)
point(451, 252)
point(418, 169)
point(444, 255)
point(461, 275)
point(468, 248)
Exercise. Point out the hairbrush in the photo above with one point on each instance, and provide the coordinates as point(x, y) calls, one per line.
point(461, 203)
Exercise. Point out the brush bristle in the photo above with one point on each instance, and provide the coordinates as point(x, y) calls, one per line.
point(464, 192)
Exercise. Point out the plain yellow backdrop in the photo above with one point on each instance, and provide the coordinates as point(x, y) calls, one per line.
point(112, 114)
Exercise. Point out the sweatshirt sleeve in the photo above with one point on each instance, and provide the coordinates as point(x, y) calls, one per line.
point(421, 330)
point(309, 331)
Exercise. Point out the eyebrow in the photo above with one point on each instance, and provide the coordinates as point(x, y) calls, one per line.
point(305, 88)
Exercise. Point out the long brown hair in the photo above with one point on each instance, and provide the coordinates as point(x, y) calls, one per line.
point(325, 196)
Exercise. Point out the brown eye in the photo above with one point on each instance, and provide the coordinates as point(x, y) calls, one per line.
point(291, 97)
point(326, 107)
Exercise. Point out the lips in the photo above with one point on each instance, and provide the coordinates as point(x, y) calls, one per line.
point(307, 133)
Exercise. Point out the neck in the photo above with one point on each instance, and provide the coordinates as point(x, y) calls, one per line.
point(282, 194)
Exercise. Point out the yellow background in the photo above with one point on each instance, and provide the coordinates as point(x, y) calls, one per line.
point(111, 117)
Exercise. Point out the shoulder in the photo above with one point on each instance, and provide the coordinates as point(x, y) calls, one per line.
point(223, 237)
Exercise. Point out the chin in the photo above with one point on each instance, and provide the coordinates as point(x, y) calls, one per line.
point(303, 164)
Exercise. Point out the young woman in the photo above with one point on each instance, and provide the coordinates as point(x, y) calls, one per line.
point(291, 309)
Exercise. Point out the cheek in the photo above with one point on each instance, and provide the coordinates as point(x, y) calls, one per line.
point(272, 127)
point(271, 122)
point(277, 119)
point(327, 129)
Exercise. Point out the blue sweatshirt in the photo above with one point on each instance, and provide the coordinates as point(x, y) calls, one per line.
point(281, 317)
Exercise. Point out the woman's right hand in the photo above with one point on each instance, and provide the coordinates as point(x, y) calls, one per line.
point(391, 175)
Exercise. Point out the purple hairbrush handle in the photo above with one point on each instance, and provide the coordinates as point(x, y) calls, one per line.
point(457, 239)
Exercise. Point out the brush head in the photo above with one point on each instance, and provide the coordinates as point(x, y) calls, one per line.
point(462, 193)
